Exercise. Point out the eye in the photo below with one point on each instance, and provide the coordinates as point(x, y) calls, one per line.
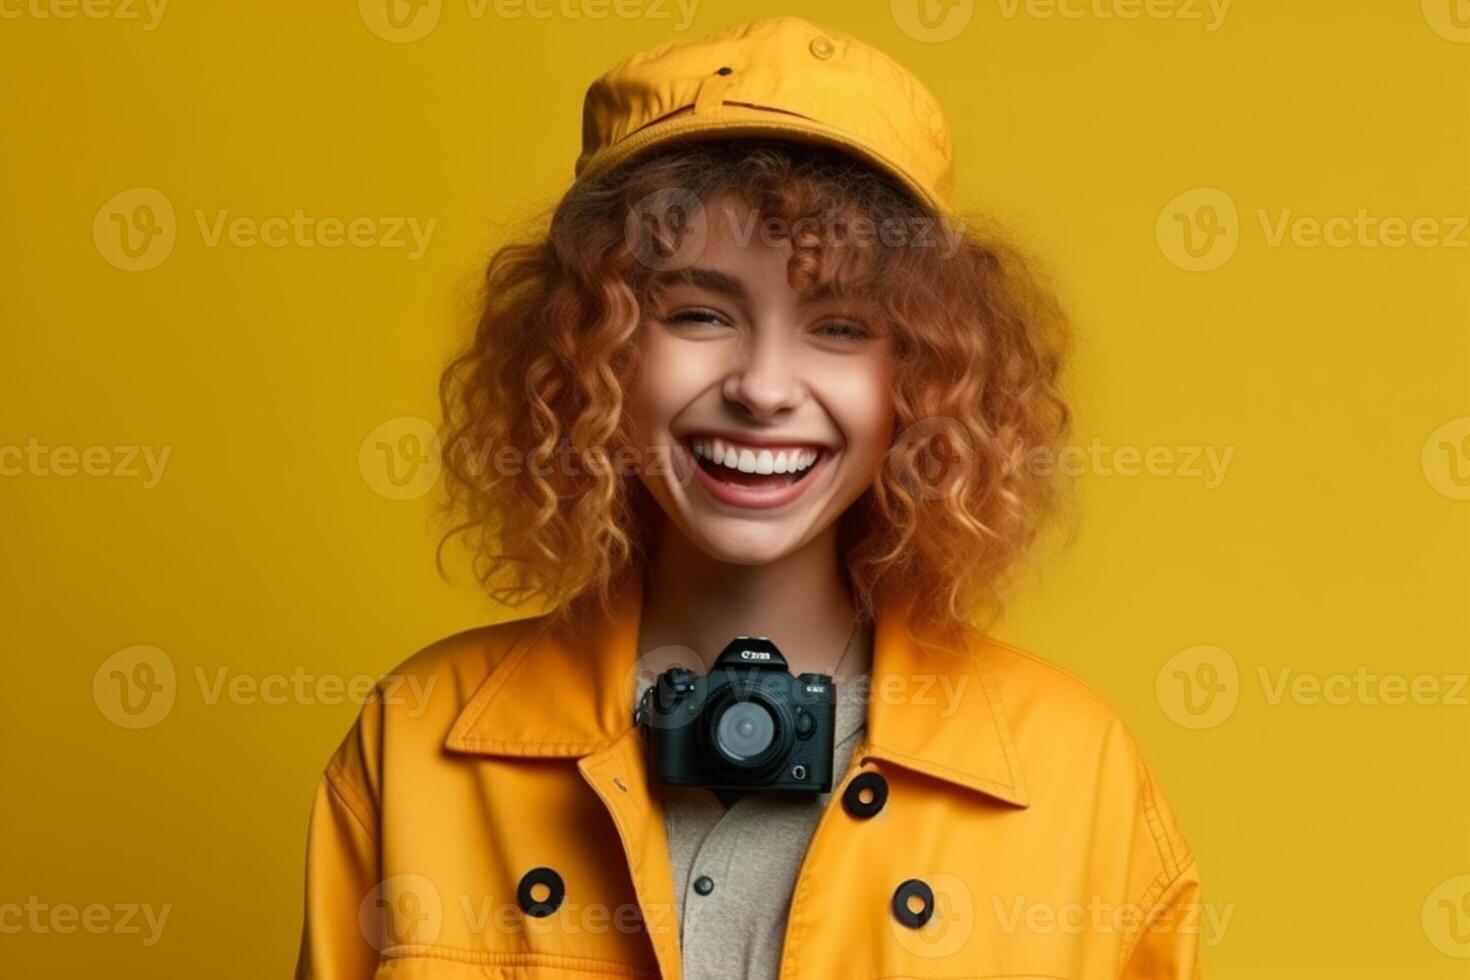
point(844, 330)
point(698, 316)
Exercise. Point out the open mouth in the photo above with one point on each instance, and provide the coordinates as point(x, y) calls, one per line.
point(750, 475)
point(748, 466)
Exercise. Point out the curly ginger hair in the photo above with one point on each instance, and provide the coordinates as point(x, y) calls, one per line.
point(979, 344)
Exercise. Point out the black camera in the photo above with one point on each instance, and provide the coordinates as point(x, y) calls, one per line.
point(747, 725)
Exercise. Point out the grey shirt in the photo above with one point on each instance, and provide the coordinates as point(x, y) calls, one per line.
point(750, 852)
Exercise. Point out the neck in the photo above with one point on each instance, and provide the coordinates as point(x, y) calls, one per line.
point(697, 603)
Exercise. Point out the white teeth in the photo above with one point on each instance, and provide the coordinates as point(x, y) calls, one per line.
point(762, 461)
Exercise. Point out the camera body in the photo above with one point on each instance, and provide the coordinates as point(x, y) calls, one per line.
point(747, 725)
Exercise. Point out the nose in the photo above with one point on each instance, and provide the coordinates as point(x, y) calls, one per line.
point(766, 382)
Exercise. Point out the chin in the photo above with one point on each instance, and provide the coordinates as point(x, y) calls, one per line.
point(746, 545)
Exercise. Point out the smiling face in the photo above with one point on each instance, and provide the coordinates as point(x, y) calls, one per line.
point(774, 405)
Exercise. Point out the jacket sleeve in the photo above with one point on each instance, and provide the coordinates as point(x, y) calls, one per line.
point(342, 859)
point(1165, 909)
point(1167, 945)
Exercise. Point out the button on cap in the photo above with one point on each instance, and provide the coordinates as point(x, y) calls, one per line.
point(704, 884)
point(823, 48)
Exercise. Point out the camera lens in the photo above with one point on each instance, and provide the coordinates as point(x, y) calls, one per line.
point(744, 731)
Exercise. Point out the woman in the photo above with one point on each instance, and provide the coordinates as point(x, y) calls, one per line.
point(753, 382)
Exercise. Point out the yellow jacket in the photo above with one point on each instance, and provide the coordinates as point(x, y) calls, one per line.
point(1022, 835)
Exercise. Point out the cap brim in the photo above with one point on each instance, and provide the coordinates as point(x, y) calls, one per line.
point(735, 121)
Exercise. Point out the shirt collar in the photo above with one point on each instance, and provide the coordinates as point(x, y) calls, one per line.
point(567, 692)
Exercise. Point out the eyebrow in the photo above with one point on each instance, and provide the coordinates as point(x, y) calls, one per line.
point(711, 279)
point(727, 285)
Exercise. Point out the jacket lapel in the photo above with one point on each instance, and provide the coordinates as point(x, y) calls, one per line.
point(937, 710)
point(564, 691)
point(568, 692)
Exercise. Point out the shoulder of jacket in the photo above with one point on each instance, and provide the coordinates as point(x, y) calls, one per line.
point(471, 653)
point(1061, 722)
point(1056, 714)
point(410, 707)
point(426, 692)
point(1047, 693)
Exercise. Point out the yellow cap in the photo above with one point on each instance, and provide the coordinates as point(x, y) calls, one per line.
point(779, 77)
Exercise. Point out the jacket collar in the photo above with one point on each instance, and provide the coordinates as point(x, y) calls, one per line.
point(569, 692)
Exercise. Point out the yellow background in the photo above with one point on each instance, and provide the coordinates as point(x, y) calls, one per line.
point(1334, 541)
